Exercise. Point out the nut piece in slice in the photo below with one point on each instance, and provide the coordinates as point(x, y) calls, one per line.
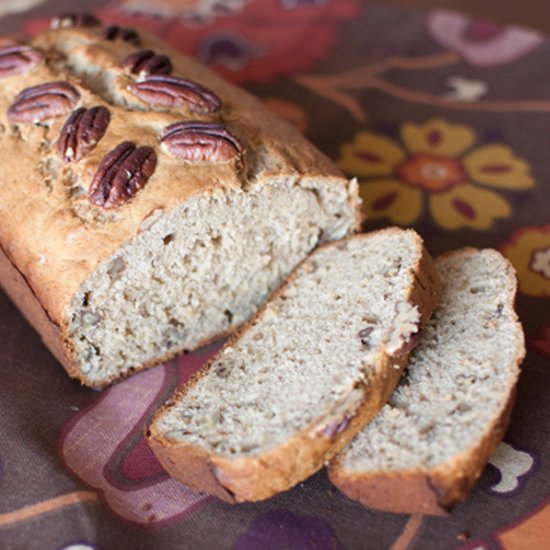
point(300, 380)
point(427, 447)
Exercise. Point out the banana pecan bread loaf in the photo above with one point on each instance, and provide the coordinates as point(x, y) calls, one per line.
point(146, 205)
point(293, 386)
point(428, 445)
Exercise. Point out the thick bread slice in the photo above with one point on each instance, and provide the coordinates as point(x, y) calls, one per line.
point(305, 375)
point(427, 447)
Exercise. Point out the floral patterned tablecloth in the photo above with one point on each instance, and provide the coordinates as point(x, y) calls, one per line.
point(444, 121)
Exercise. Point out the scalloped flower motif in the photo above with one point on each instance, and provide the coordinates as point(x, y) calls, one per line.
point(529, 251)
point(481, 42)
point(437, 163)
point(103, 445)
point(513, 465)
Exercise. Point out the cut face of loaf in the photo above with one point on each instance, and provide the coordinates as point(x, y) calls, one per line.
point(148, 206)
point(428, 445)
point(305, 374)
point(196, 273)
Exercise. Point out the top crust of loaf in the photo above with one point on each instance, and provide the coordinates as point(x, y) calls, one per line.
point(256, 475)
point(75, 238)
point(383, 468)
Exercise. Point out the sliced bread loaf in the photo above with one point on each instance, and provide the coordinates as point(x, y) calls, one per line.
point(142, 213)
point(428, 446)
point(305, 374)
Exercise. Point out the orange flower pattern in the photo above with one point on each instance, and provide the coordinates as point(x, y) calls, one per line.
point(438, 163)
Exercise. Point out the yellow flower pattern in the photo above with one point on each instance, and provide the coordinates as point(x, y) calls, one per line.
point(436, 160)
point(529, 251)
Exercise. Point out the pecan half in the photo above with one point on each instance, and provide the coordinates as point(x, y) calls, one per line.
point(198, 140)
point(82, 132)
point(68, 20)
point(50, 100)
point(145, 62)
point(114, 32)
point(121, 174)
point(18, 59)
point(173, 91)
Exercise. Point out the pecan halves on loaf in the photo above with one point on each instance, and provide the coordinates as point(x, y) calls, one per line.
point(114, 32)
point(197, 140)
point(18, 59)
point(82, 132)
point(145, 62)
point(173, 91)
point(50, 100)
point(69, 20)
point(121, 174)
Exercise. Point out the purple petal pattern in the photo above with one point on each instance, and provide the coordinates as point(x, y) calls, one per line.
point(480, 42)
point(283, 529)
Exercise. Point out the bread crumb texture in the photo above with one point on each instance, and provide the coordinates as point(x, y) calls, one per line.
point(459, 378)
point(303, 363)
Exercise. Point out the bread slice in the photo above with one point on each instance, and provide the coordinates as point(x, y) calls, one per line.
point(305, 375)
point(427, 447)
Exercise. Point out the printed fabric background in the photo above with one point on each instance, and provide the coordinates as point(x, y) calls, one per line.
point(444, 121)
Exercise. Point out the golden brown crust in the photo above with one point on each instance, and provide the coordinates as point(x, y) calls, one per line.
point(259, 477)
point(198, 468)
point(76, 238)
point(432, 492)
point(435, 490)
point(389, 491)
point(21, 294)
